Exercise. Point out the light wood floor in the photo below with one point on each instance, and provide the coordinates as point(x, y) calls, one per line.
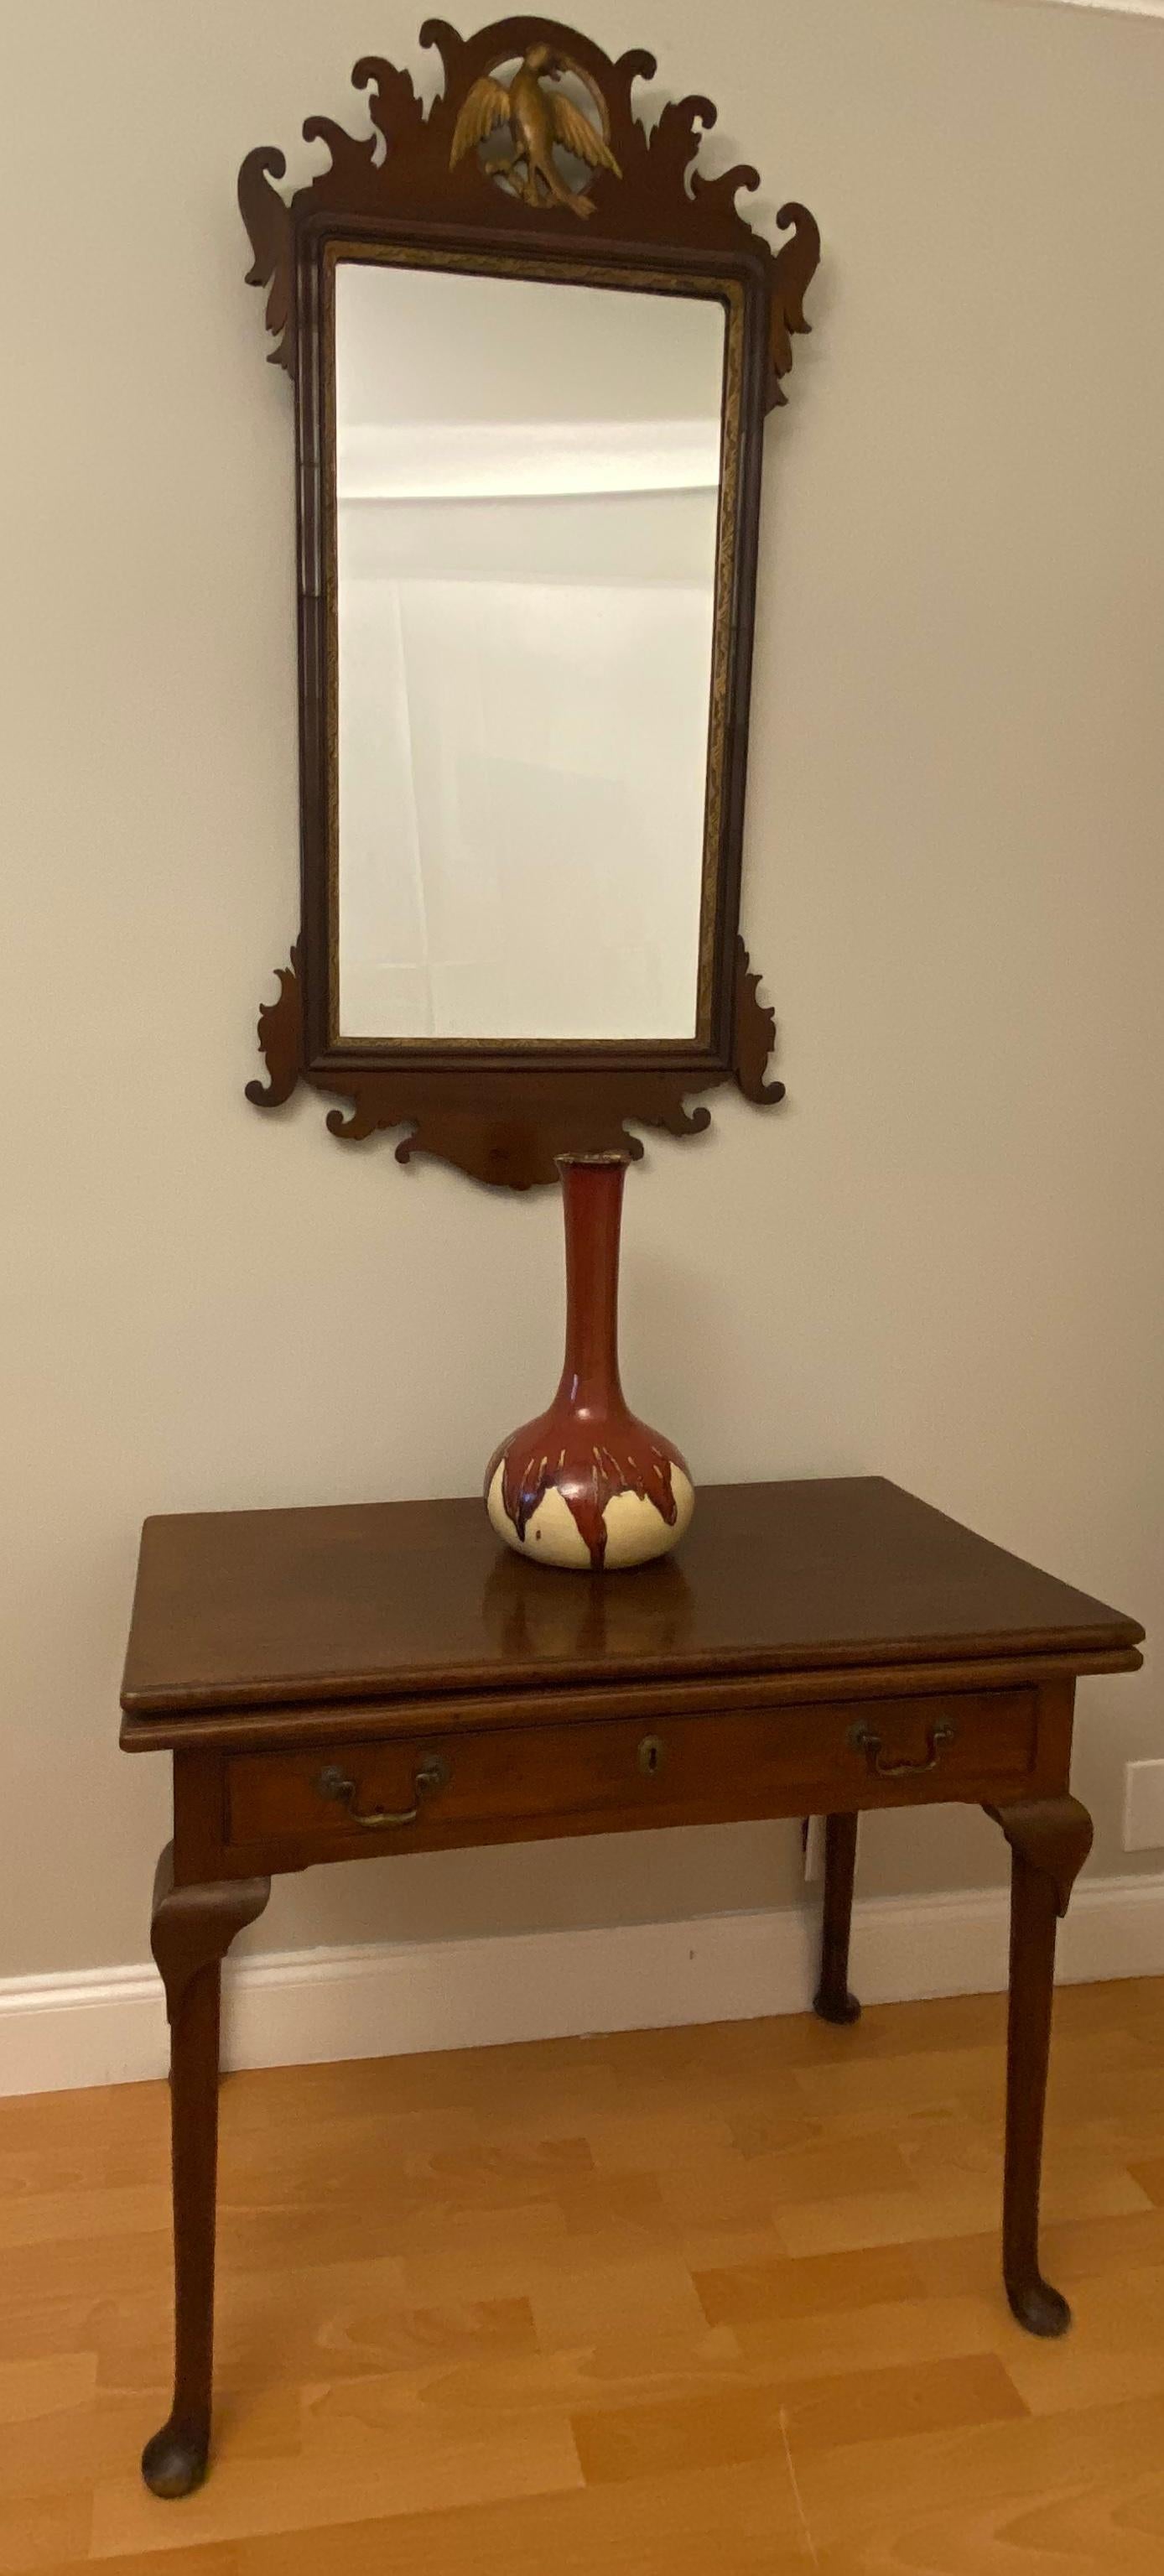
point(716, 2302)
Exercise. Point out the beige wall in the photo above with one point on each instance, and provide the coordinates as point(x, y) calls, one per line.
point(943, 1261)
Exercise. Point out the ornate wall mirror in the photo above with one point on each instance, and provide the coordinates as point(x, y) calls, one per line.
point(532, 351)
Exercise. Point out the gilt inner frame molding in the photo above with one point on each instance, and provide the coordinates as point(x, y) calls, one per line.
point(414, 194)
point(632, 278)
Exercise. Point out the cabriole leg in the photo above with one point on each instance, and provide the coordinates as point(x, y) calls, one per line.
point(1049, 1840)
point(192, 1930)
point(832, 2000)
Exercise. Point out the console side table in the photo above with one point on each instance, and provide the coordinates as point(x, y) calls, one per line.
point(355, 1681)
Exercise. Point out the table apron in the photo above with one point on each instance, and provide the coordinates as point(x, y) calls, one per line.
point(247, 1813)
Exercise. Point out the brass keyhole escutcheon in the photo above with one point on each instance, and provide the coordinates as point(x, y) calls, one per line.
point(651, 1756)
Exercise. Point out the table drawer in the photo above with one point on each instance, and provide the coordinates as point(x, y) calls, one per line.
point(434, 1787)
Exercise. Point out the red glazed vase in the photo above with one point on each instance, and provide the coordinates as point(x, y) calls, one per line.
point(587, 1484)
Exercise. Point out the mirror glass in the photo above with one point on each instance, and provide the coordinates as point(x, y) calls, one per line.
point(527, 497)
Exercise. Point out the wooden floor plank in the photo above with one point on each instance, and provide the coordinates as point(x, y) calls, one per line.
point(718, 2302)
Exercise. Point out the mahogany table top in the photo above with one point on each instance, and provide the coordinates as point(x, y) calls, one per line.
point(241, 1610)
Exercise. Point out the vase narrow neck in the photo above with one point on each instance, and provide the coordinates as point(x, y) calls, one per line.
point(592, 1203)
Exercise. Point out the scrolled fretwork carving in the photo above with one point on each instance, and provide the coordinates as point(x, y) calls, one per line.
point(280, 1039)
point(641, 186)
point(755, 1035)
point(503, 1125)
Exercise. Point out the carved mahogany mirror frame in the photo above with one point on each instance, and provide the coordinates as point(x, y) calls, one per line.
point(421, 185)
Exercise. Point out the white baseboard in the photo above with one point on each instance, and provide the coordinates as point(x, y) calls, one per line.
point(306, 2007)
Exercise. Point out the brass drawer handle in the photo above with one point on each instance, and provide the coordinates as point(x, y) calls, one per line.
point(863, 1740)
point(432, 1775)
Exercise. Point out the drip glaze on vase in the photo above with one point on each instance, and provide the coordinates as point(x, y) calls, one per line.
point(586, 1484)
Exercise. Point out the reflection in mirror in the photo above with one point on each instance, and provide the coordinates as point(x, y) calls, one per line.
point(527, 494)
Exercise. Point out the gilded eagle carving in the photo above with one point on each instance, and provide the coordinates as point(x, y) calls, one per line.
point(539, 123)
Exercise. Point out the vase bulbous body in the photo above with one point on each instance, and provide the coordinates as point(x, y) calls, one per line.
point(586, 1484)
